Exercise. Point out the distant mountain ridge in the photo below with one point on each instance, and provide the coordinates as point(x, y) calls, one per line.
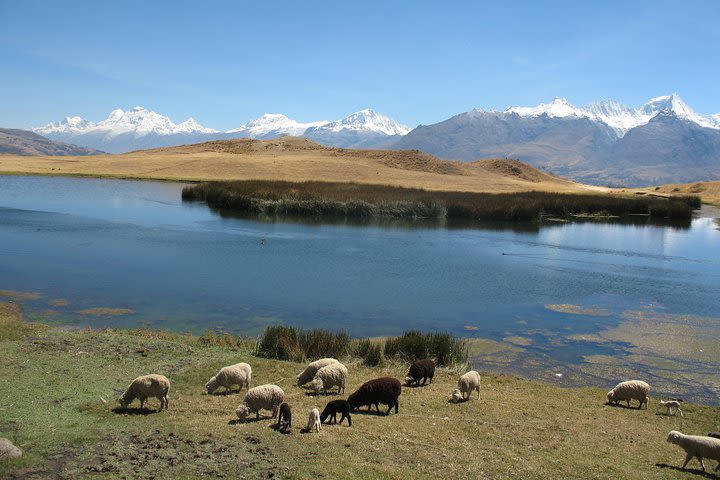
point(663, 141)
point(140, 128)
point(25, 142)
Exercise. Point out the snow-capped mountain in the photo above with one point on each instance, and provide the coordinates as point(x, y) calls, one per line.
point(138, 121)
point(662, 141)
point(272, 125)
point(363, 129)
point(141, 128)
point(616, 115)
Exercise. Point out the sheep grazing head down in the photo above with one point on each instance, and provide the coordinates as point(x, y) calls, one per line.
point(409, 380)
point(316, 385)
point(456, 396)
point(610, 396)
point(242, 412)
point(211, 385)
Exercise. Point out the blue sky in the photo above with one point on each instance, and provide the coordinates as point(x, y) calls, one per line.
point(225, 63)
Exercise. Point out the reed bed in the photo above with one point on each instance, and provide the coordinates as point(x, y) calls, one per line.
point(283, 342)
point(276, 198)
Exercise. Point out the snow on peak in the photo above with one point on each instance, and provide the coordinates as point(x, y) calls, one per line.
point(558, 108)
point(616, 115)
point(368, 120)
point(66, 125)
point(138, 121)
point(276, 124)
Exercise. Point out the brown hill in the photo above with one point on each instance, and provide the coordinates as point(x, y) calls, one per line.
point(25, 142)
point(299, 159)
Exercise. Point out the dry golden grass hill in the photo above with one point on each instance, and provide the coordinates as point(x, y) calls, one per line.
point(709, 192)
point(298, 159)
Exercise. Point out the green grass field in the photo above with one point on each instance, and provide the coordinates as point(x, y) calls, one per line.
point(53, 380)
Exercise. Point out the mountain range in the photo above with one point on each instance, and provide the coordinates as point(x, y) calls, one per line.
point(605, 143)
point(662, 141)
point(140, 128)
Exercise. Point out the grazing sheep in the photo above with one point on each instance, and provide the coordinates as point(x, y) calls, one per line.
point(630, 390)
point(385, 390)
point(456, 395)
point(267, 397)
point(284, 417)
point(333, 408)
point(467, 383)
point(309, 373)
point(329, 376)
point(314, 421)
point(421, 370)
point(696, 446)
point(673, 406)
point(145, 387)
point(238, 374)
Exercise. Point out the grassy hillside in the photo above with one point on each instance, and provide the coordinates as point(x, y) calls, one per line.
point(53, 380)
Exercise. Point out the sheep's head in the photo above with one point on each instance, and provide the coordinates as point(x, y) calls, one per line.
point(409, 380)
point(353, 401)
point(211, 385)
point(126, 399)
point(611, 396)
point(242, 411)
point(674, 437)
point(456, 396)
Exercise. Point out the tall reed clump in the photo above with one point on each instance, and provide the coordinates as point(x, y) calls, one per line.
point(365, 201)
point(415, 345)
point(297, 344)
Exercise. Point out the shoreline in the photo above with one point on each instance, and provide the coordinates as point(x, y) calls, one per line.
point(555, 430)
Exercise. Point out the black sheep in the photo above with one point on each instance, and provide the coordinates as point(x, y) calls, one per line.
point(421, 369)
point(333, 408)
point(285, 417)
point(385, 390)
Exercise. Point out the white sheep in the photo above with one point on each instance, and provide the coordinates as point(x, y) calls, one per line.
point(266, 397)
point(314, 421)
point(309, 373)
point(456, 395)
point(672, 405)
point(329, 376)
point(466, 384)
point(238, 374)
point(630, 390)
point(145, 387)
point(696, 446)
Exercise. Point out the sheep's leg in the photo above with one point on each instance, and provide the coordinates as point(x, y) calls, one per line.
point(162, 403)
point(397, 405)
point(350, 425)
point(702, 465)
point(688, 457)
point(142, 403)
point(478, 389)
point(681, 413)
point(389, 408)
point(257, 414)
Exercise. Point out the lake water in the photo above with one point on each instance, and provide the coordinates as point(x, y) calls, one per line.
point(587, 300)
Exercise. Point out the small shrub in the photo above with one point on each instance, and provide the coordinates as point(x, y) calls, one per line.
point(414, 345)
point(374, 355)
point(280, 342)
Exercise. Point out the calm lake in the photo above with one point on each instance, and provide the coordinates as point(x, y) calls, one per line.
point(573, 303)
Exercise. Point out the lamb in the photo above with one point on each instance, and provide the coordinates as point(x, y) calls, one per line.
point(146, 386)
point(630, 390)
point(238, 374)
point(333, 408)
point(385, 390)
point(285, 417)
point(466, 384)
point(314, 421)
point(329, 376)
point(267, 397)
point(672, 405)
point(421, 369)
point(310, 371)
point(696, 446)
